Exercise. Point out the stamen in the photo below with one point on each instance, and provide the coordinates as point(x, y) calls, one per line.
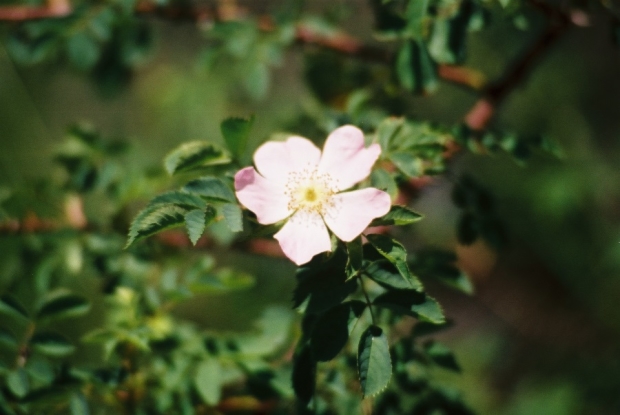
point(310, 193)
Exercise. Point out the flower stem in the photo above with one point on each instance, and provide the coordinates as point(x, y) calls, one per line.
point(368, 303)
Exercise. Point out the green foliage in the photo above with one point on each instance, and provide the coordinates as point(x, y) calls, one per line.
point(397, 216)
point(395, 253)
point(194, 155)
point(374, 363)
point(236, 132)
point(362, 307)
point(478, 217)
point(63, 305)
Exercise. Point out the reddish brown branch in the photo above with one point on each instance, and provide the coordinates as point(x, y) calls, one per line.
point(495, 93)
point(339, 41)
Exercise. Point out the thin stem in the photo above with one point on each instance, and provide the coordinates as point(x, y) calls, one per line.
point(368, 303)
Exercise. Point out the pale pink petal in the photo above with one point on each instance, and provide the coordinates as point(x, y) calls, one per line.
point(346, 159)
point(276, 159)
point(263, 197)
point(352, 212)
point(303, 236)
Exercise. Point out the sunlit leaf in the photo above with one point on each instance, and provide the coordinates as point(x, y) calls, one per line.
point(78, 404)
point(384, 273)
point(415, 68)
point(394, 252)
point(211, 188)
point(196, 220)
point(193, 155)
point(18, 383)
point(233, 216)
point(207, 380)
point(51, 344)
point(407, 163)
point(398, 216)
point(373, 361)
point(387, 130)
point(154, 219)
point(178, 198)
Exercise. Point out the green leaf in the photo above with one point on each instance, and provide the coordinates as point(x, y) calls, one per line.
point(447, 43)
point(322, 284)
point(10, 307)
point(407, 163)
point(440, 265)
point(387, 130)
point(154, 219)
point(442, 356)
point(382, 180)
point(18, 383)
point(416, 14)
point(40, 369)
point(51, 344)
point(211, 188)
point(196, 221)
point(224, 280)
point(63, 306)
point(414, 303)
point(233, 216)
point(355, 257)
point(178, 198)
point(78, 404)
point(373, 361)
point(236, 132)
point(8, 339)
point(304, 374)
point(194, 154)
point(83, 51)
point(394, 252)
point(415, 69)
point(331, 330)
point(208, 381)
point(398, 216)
point(385, 274)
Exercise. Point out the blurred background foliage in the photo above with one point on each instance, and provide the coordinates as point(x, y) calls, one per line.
point(540, 334)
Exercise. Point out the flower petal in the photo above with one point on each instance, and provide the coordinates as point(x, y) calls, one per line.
point(303, 236)
point(345, 158)
point(352, 212)
point(263, 197)
point(276, 159)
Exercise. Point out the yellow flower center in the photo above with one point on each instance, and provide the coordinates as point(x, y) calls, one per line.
point(310, 192)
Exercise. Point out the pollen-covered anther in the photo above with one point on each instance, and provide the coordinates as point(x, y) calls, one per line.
point(310, 192)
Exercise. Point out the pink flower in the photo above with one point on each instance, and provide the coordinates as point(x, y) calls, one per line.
point(295, 181)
